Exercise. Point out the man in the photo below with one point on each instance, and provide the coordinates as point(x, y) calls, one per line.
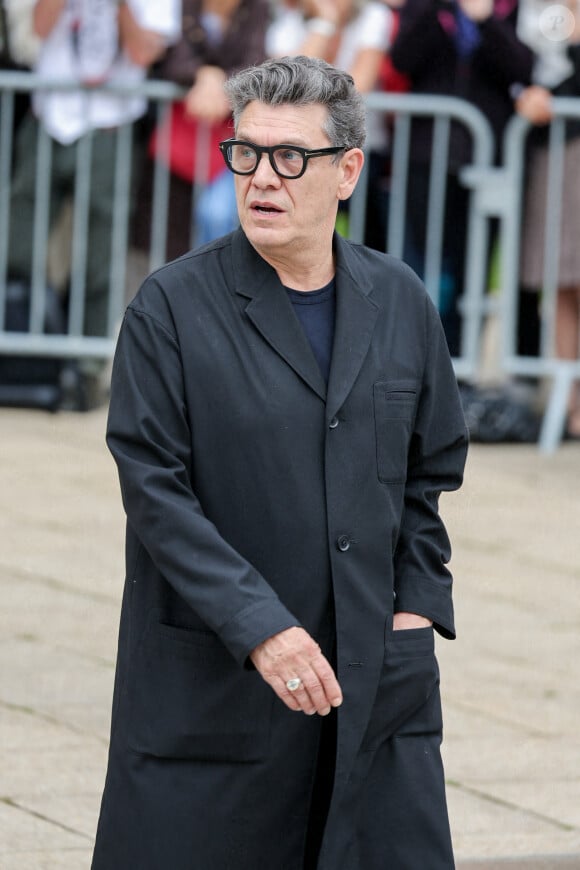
point(285, 555)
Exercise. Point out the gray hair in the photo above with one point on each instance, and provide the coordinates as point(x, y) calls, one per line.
point(303, 81)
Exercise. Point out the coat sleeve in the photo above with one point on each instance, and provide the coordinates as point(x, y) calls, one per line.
point(149, 435)
point(436, 461)
point(504, 57)
point(243, 43)
point(419, 38)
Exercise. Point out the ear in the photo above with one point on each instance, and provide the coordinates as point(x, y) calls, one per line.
point(351, 166)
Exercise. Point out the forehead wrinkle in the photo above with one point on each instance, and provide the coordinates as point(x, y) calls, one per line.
point(290, 139)
point(281, 125)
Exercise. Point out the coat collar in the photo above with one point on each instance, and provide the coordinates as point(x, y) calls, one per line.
point(270, 311)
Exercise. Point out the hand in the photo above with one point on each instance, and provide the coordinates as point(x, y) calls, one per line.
point(206, 100)
point(329, 10)
point(45, 16)
point(535, 104)
point(402, 621)
point(477, 10)
point(142, 46)
point(293, 653)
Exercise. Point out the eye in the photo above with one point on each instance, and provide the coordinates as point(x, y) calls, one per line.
point(289, 155)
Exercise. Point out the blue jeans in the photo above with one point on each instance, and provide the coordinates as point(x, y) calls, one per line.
point(216, 213)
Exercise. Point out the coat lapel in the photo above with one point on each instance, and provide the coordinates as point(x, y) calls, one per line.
point(271, 312)
point(356, 315)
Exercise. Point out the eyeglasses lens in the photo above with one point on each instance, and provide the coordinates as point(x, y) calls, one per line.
point(244, 159)
point(288, 162)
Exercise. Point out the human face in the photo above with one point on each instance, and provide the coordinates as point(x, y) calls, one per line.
point(288, 217)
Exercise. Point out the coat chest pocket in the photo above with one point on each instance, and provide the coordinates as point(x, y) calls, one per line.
point(190, 699)
point(394, 410)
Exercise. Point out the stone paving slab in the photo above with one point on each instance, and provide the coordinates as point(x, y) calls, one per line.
point(510, 682)
point(48, 859)
point(24, 831)
point(545, 862)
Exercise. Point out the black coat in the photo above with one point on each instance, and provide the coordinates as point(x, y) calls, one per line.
point(257, 499)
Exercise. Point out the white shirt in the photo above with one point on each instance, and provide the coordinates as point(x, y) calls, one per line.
point(24, 44)
point(371, 28)
point(552, 64)
point(70, 53)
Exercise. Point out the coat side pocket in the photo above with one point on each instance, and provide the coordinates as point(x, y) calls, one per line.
point(189, 699)
point(409, 677)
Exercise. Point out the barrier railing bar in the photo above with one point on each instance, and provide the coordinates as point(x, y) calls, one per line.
point(433, 106)
point(34, 344)
point(561, 372)
point(6, 127)
point(399, 177)
point(356, 207)
point(201, 176)
point(78, 283)
point(160, 203)
point(436, 208)
point(155, 89)
point(553, 217)
point(474, 303)
point(510, 235)
point(120, 224)
point(40, 231)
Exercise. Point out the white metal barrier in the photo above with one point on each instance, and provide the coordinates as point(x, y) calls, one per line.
point(444, 111)
point(72, 343)
point(559, 373)
point(494, 192)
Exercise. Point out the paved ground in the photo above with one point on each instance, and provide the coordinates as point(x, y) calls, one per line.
point(510, 682)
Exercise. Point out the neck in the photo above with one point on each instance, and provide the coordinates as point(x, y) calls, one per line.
point(302, 270)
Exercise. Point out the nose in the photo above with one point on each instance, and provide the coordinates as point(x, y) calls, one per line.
point(264, 176)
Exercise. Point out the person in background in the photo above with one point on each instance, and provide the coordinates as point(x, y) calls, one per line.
point(353, 35)
point(19, 46)
point(284, 417)
point(218, 38)
point(23, 43)
point(89, 42)
point(391, 81)
point(556, 73)
point(468, 49)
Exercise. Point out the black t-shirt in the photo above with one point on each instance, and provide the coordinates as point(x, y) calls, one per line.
point(315, 311)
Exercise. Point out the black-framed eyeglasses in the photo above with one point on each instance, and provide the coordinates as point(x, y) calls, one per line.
point(287, 161)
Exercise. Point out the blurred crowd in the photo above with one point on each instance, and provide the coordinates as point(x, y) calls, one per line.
point(503, 56)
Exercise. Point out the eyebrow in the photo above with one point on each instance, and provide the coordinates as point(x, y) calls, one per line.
point(290, 141)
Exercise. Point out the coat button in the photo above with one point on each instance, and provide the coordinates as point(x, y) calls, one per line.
point(343, 543)
point(333, 423)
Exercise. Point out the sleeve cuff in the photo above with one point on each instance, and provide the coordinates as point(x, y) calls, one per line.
point(251, 627)
point(429, 600)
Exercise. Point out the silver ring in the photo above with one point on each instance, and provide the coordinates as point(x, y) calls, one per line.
point(293, 684)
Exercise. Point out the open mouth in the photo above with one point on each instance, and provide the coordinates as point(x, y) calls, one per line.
point(266, 209)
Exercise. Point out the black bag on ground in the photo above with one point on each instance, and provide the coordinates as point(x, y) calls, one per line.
point(31, 381)
point(499, 414)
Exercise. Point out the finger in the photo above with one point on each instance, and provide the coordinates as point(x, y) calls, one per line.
point(285, 695)
point(319, 690)
point(322, 690)
point(331, 686)
point(327, 679)
point(314, 698)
